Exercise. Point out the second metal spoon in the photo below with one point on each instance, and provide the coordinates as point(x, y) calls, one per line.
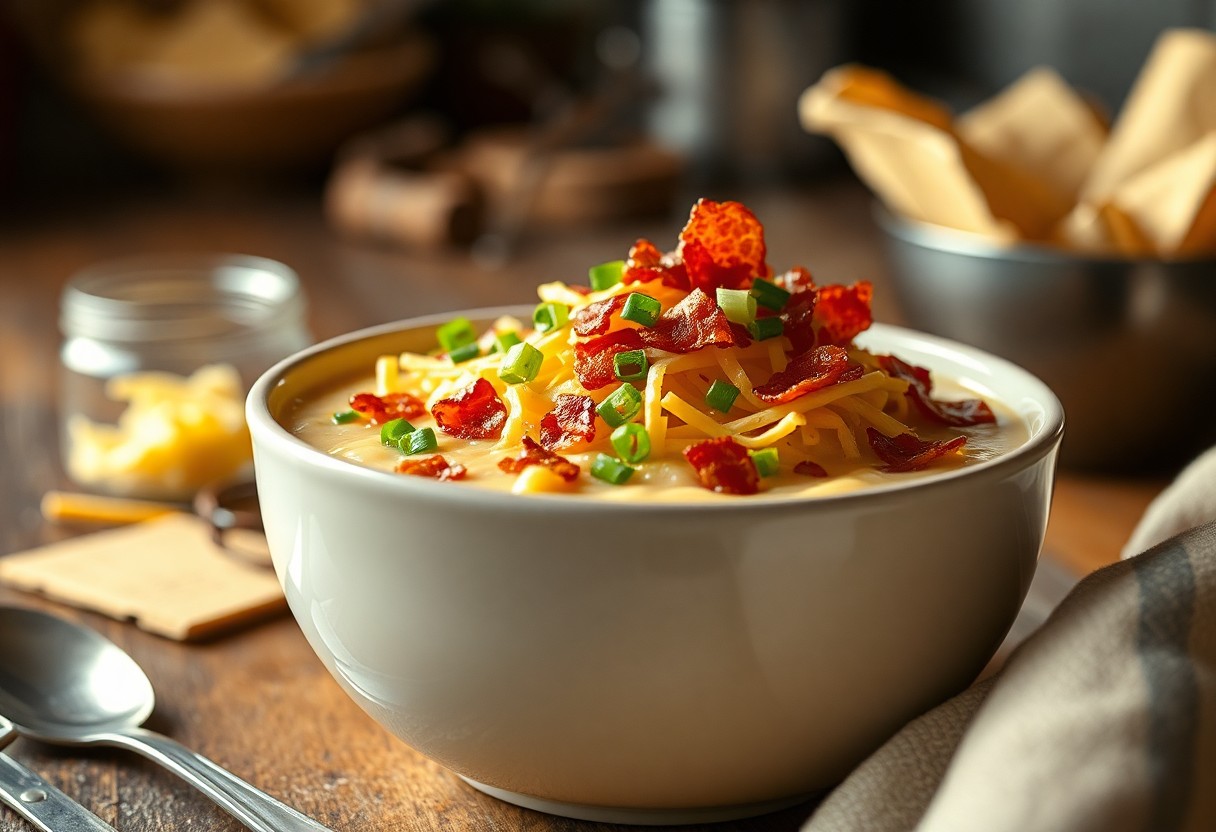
point(38, 801)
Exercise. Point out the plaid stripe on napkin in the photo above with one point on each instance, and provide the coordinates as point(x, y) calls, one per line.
point(1103, 720)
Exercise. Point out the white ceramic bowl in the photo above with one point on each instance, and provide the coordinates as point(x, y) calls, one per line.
point(649, 663)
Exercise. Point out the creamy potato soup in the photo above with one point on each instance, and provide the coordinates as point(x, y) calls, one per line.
point(669, 478)
point(675, 376)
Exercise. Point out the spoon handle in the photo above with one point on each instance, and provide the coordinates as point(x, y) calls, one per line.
point(42, 804)
point(251, 806)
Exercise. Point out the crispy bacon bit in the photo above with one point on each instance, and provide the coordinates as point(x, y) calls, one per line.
point(960, 414)
point(841, 312)
point(431, 466)
point(475, 412)
point(596, 318)
point(571, 421)
point(799, 312)
point(593, 359)
point(810, 371)
point(722, 245)
point(796, 280)
point(381, 409)
point(724, 466)
point(691, 324)
point(647, 263)
point(908, 452)
point(807, 468)
point(534, 454)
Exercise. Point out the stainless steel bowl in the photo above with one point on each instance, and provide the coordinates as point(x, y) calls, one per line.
point(1129, 346)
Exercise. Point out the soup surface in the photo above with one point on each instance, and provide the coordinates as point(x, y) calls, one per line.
point(698, 373)
point(669, 478)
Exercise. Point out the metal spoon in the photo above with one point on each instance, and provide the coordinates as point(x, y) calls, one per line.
point(38, 801)
point(68, 685)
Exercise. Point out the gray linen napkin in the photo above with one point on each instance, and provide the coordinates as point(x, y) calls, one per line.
point(1189, 501)
point(1104, 719)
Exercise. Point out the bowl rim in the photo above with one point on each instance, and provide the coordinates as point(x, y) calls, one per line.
point(949, 240)
point(266, 430)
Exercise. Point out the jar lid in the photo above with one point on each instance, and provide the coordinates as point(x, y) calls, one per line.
point(175, 298)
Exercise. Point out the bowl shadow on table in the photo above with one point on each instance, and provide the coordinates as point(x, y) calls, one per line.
point(1128, 345)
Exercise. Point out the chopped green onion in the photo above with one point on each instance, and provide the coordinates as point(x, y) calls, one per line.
point(737, 305)
point(606, 275)
point(344, 417)
point(769, 295)
point(521, 363)
point(630, 366)
point(764, 328)
point(419, 441)
point(464, 352)
point(549, 316)
point(721, 395)
point(641, 309)
point(621, 406)
point(766, 461)
point(631, 442)
point(610, 470)
point(503, 341)
point(391, 432)
point(455, 334)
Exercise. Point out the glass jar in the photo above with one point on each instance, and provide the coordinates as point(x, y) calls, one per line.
point(170, 314)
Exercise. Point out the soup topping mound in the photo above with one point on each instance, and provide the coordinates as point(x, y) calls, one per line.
point(701, 353)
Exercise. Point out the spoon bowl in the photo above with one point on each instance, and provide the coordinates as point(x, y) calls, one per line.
point(66, 684)
point(61, 681)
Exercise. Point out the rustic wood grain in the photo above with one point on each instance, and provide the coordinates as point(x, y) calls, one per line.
point(258, 701)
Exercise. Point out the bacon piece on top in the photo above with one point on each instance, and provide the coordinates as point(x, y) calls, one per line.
point(694, 322)
point(960, 414)
point(799, 312)
point(796, 280)
point(572, 420)
point(593, 358)
point(908, 452)
point(646, 263)
point(475, 412)
point(723, 465)
point(381, 409)
point(435, 467)
point(534, 454)
point(722, 245)
point(841, 312)
point(596, 318)
point(807, 372)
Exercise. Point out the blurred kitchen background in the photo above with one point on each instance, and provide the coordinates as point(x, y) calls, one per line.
point(100, 99)
point(416, 156)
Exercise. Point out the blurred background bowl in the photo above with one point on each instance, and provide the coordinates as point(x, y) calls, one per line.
point(1129, 346)
point(231, 87)
point(294, 122)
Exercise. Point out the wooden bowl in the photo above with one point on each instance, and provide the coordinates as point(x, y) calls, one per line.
point(293, 123)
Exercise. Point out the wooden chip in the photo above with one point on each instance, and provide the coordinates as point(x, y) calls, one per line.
point(165, 574)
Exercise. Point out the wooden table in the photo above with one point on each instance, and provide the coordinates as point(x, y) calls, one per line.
point(259, 702)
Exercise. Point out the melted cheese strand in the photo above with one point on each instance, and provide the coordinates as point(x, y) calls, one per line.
point(810, 401)
point(692, 417)
point(886, 424)
point(825, 419)
point(388, 375)
point(738, 377)
point(652, 410)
